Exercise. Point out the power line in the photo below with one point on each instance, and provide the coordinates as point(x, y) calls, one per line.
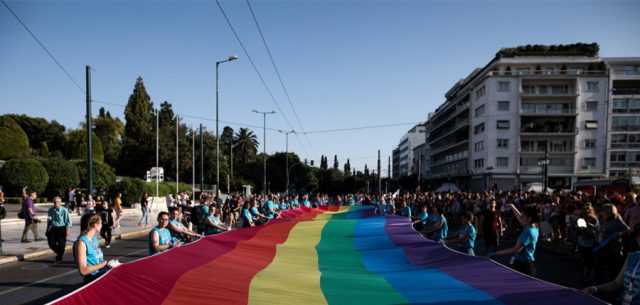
point(258, 72)
point(359, 128)
point(284, 88)
point(43, 47)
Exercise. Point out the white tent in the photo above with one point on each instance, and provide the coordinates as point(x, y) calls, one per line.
point(448, 187)
point(536, 187)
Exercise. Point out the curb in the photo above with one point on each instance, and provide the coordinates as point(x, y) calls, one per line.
point(40, 253)
point(74, 216)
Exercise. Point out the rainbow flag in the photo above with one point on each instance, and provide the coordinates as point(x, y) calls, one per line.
point(335, 255)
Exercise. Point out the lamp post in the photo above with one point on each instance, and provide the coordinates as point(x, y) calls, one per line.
point(286, 164)
point(232, 57)
point(490, 174)
point(544, 163)
point(264, 146)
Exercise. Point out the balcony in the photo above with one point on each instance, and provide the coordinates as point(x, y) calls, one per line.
point(548, 73)
point(447, 145)
point(625, 91)
point(622, 164)
point(541, 110)
point(540, 150)
point(537, 170)
point(548, 92)
point(627, 71)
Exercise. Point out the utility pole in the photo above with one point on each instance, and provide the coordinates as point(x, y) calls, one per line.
point(157, 151)
point(193, 164)
point(201, 160)
point(379, 175)
point(177, 162)
point(89, 146)
point(264, 146)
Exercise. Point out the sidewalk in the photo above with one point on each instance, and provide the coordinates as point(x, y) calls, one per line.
point(13, 250)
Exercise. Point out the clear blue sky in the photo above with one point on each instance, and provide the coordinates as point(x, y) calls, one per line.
point(344, 63)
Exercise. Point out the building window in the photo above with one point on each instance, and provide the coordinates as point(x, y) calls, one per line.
point(478, 146)
point(590, 143)
point(478, 163)
point(503, 143)
point(478, 128)
point(502, 162)
point(592, 106)
point(618, 157)
point(591, 124)
point(589, 161)
point(548, 71)
point(480, 92)
point(503, 105)
point(480, 110)
point(504, 86)
point(503, 124)
point(593, 87)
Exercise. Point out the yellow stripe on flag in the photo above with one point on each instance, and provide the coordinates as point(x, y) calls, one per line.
point(293, 277)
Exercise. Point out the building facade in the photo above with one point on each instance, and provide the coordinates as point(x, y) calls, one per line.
point(579, 115)
point(403, 155)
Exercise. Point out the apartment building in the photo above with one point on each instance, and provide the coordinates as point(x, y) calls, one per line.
point(403, 155)
point(623, 142)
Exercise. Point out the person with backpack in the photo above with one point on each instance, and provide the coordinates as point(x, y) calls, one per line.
point(31, 220)
point(199, 212)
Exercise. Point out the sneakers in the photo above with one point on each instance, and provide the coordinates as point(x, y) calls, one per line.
point(39, 239)
point(107, 246)
point(24, 241)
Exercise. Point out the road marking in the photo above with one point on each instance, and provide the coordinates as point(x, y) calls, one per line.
point(35, 267)
point(60, 275)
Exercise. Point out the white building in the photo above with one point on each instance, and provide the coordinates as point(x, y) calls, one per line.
point(524, 107)
point(413, 138)
point(623, 143)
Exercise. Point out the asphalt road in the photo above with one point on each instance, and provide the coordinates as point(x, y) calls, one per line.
point(40, 281)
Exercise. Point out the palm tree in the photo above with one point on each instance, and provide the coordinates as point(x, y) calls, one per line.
point(247, 142)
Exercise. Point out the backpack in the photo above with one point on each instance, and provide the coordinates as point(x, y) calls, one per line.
point(197, 218)
point(21, 213)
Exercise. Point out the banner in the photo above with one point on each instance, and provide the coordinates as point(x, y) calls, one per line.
point(335, 255)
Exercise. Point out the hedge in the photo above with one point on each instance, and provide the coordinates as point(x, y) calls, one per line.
point(13, 140)
point(18, 173)
point(103, 174)
point(132, 189)
point(62, 175)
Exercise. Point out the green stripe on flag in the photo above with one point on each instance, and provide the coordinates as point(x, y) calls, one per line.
point(344, 279)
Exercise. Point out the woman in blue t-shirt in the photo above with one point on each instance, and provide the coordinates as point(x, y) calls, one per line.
point(440, 228)
point(523, 252)
point(420, 220)
point(213, 223)
point(247, 218)
point(466, 235)
point(89, 257)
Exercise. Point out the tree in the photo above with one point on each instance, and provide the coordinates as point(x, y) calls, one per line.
point(18, 173)
point(62, 174)
point(77, 146)
point(110, 133)
point(323, 162)
point(226, 138)
point(347, 168)
point(335, 162)
point(103, 174)
point(366, 170)
point(39, 130)
point(13, 140)
point(139, 133)
point(247, 144)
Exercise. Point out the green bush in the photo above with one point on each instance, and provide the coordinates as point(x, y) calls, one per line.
point(131, 189)
point(12, 199)
point(103, 174)
point(77, 146)
point(62, 175)
point(13, 140)
point(18, 173)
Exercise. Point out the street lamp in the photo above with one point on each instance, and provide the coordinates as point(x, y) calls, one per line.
point(490, 174)
point(232, 57)
point(286, 165)
point(264, 146)
point(544, 163)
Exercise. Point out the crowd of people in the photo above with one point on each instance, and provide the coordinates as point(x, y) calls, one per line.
point(603, 229)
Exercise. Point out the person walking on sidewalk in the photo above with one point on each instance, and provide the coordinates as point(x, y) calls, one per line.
point(144, 206)
point(106, 214)
point(3, 214)
point(117, 207)
point(30, 218)
point(58, 228)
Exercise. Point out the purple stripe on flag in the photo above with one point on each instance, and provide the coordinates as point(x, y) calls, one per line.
point(508, 286)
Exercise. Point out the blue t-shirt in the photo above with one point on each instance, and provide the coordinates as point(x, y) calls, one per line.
point(352, 201)
point(284, 206)
point(164, 237)
point(441, 233)
point(216, 221)
point(528, 238)
point(406, 211)
point(268, 207)
point(423, 217)
point(247, 215)
point(94, 254)
point(306, 203)
point(630, 281)
point(254, 211)
point(469, 231)
point(174, 235)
